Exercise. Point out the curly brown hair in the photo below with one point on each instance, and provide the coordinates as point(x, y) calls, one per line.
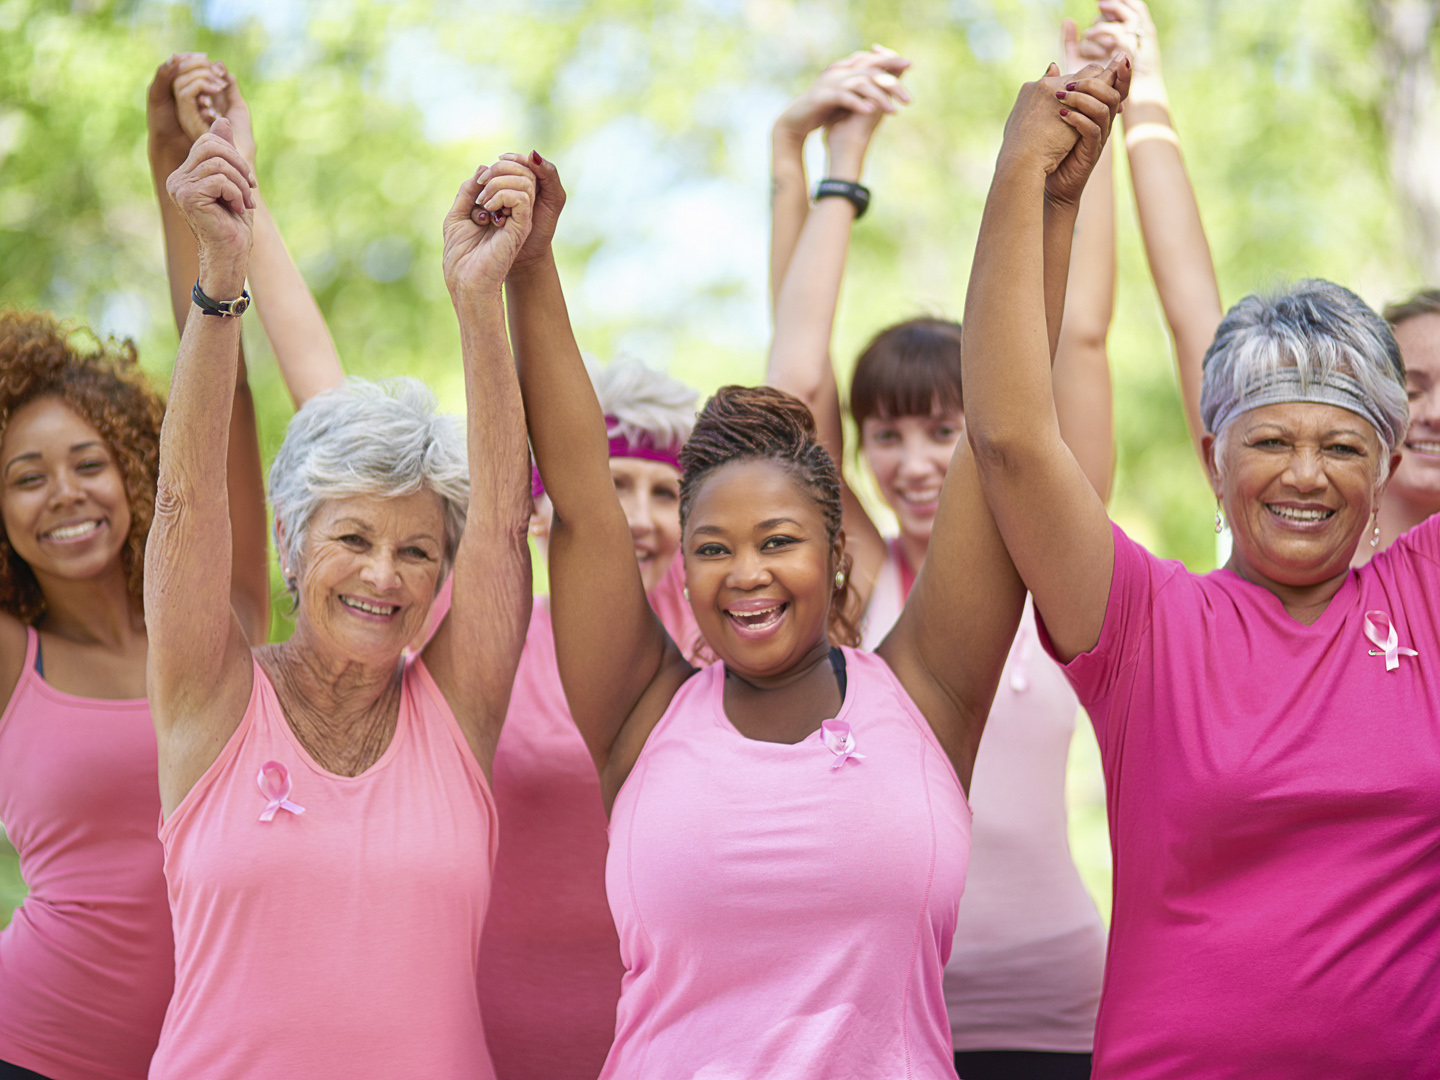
point(741, 423)
point(40, 357)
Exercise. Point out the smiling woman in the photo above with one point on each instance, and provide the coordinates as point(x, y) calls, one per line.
point(87, 964)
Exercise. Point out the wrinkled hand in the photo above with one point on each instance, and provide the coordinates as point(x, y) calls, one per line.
point(549, 201)
point(1060, 124)
point(1123, 25)
point(199, 90)
point(214, 191)
point(866, 82)
point(487, 226)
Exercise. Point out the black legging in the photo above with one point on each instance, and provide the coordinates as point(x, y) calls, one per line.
point(1021, 1065)
point(15, 1072)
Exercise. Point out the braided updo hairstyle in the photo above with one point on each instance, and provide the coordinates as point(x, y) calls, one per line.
point(39, 358)
point(743, 423)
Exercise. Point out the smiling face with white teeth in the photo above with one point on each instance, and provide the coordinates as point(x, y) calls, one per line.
point(369, 573)
point(1298, 482)
point(909, 456)
point(760, 568)
point(1417, 479)
point(62, 495)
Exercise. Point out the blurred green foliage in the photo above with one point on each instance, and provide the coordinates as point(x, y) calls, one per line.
point(370, 112)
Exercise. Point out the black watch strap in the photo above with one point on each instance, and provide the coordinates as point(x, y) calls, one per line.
point(226, 308)
point(858, 194)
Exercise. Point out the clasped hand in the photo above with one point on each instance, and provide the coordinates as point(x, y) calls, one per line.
point(215, 192)
point(487, 226)
point(1060, 123)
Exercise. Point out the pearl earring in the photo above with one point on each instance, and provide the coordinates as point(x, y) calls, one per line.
point(839, 579)
point(1375, 533)
point(686, 591)
point(1219, 521)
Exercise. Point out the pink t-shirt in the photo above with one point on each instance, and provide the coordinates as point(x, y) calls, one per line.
point(550, 959)
point(87, 964)
point(780, 917)
point(1274, 799)
point(341, 941)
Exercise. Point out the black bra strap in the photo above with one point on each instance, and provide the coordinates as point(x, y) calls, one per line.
point(40, 659)
point(837, 661)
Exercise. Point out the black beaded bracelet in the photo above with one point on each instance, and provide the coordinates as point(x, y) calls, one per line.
point(227, 308)
point(857, 194)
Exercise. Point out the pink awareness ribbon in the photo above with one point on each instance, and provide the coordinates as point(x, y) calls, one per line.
point(1381, 632)
point(836, 735)
point(274, 781)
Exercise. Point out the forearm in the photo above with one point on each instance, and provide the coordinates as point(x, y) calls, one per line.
point(789, 204)
point(249, 527)
point(567, 428)
point(1058, 236)
point(1174, 236)
point(1006, 339)
point(303, 347)
point(182, 265)
point(1081, 377)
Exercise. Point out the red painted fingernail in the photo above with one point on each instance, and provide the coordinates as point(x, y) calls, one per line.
point(1060, 94)
point(1064, 112)
point(1127, 61)
point(536, 158)
point(1069, 86)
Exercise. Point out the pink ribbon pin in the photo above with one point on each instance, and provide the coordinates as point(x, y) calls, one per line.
point(274, 781)
point(836, 735)
point(1381, 632)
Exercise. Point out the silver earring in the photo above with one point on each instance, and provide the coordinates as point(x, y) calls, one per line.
point(839, 579)
point(686, 591)
point(1219, 521)
point(1375, 533)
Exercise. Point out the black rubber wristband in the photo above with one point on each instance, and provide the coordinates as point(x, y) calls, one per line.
point(857, 194)
point(228, 309)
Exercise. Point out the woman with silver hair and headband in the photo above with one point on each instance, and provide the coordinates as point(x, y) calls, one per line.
point(550, 964)
point(328, 826)
point(1271, 744)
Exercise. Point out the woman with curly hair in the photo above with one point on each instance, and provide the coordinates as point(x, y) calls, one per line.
point(86, 965)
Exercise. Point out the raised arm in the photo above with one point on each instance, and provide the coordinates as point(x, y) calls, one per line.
point(618, 665)
point(1174, 236)
point(799, 361)
point(474, 653)
point(1053, 523)
point(189, 78)
point(298, 335)
point(1081, 376)
point(863, 82)
point(198, 673)
point(950, 643)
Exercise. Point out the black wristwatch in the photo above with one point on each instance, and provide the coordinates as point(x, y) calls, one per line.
point(857, 194)
point(228, 309)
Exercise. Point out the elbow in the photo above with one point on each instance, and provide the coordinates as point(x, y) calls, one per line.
point(995, 450)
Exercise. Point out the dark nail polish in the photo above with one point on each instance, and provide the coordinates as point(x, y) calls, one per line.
point(536, 158)
point(1064, 112)
point(1060, 94)
point(1070, 86)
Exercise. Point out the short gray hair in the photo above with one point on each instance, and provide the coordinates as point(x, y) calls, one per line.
point(646, 404)
point(1337, 349)
point(382, 439)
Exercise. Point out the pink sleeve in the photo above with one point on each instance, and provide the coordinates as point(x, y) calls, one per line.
point(1138, 576)
point(668, 600)
point(1423, 539)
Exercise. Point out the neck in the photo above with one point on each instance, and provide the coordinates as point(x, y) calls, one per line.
point(817, 656)
point(1303, 603)
point(96, 611)
point(336, 688)
point(914, 549)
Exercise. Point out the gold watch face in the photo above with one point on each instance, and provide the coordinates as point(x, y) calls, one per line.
point(239, 306)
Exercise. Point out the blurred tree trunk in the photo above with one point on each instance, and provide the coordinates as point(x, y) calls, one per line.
point(1410, 111)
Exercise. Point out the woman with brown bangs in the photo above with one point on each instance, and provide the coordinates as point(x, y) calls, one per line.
point(1022, 983)
point(87, 964)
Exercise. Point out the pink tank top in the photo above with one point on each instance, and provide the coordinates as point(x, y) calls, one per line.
point(341, 941)
point(550, 959)
point(87, 964)
point(787, 910)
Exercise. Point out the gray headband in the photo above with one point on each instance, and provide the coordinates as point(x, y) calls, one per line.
point(1285, 385)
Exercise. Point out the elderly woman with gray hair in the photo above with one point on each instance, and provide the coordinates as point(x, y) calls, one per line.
point(328, 825)
point(1270, 739)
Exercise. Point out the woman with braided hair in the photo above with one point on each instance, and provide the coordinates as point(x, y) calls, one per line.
point(788, 826)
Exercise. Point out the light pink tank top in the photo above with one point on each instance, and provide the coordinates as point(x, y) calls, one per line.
point(341, 941)
point(786, 910)
point(1029, 953)
point(87, 964)
point(550, 958)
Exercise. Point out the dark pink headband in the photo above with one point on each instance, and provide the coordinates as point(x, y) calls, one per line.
point(643, 448)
